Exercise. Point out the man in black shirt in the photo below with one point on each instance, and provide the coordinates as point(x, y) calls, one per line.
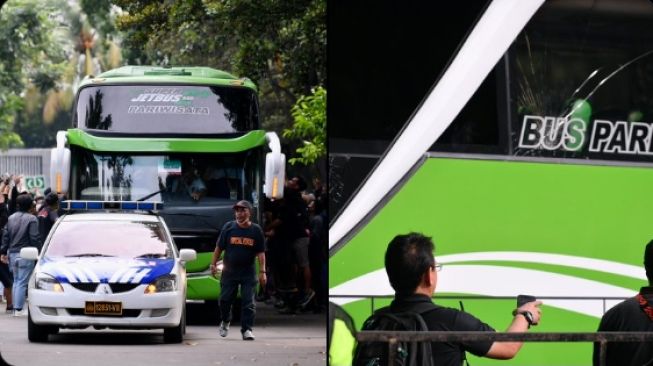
point(412, 271)
point(631, 315)
point(241, 241)
point(48, 214)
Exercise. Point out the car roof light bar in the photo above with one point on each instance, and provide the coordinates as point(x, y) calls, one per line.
point(111, 205)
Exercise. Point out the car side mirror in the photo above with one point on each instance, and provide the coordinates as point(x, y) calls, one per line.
point(187, 255)
point(29, 253)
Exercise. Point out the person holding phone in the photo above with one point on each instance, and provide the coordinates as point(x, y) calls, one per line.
point(413, 274)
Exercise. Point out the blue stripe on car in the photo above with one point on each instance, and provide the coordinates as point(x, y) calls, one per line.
point(87, 270)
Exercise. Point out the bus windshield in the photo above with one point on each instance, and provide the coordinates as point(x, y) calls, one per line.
point(171, 109)
point(177, 179)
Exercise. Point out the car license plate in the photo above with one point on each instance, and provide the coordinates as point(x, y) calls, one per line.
point(103, 308)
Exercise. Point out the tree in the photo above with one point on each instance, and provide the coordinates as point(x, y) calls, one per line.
point(43, 42)
point(309, 114)
point(29, 56)
point(9, 105)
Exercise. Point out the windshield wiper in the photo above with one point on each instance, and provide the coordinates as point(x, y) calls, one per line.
point(150, 255)
point(90, 255)
point(151, 195)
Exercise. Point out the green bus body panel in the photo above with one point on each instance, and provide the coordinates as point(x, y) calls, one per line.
point(201, 263)
point(465, 205)
point(153, 75)
point(166, 144)
point(203, 288)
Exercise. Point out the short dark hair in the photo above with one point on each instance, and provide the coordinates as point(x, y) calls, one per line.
point(406, 259)
point(648, 262)
point(24, 202)
point(51, 199)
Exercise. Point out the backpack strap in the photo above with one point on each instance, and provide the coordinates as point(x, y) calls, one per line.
point(419, 308)
point(423, 307)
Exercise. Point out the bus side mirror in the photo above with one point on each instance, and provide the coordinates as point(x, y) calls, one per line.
point(60, 165)
point(275, 175)
point(275, 168)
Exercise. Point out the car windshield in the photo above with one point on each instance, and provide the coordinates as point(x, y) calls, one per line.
point(99, 238)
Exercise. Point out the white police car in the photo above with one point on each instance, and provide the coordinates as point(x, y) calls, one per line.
point(108, 269)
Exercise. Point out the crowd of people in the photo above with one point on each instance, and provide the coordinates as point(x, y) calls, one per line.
point(25, 220)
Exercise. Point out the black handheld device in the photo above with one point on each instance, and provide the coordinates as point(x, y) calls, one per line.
point(523, 299)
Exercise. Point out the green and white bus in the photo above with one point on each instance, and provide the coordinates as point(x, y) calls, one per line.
point(530, 163)
point(188, 137)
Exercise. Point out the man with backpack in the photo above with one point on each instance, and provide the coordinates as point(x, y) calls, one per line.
point(412, 272)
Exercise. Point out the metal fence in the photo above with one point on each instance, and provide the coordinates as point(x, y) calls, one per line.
point(28, 162)
point(374, 298)
point(393, 337)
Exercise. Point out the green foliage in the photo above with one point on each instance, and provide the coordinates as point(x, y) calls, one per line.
point(172, 32)
point(309, 114)
point(29, 56)
point(281, 41)
point(99, 15)
point(38, 62)
point(8, 108)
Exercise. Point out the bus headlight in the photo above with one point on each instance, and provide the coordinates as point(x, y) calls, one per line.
point(47, 283)
point(166, 283)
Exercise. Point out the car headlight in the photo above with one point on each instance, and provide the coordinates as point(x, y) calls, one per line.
point(47, 283)
point(164, 283)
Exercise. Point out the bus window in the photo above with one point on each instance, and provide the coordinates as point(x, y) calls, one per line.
point(178, 109)
point(174, 179)
point(580, 83)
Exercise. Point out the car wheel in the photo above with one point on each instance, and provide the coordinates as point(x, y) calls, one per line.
point(35, 332)
point(176, 334)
